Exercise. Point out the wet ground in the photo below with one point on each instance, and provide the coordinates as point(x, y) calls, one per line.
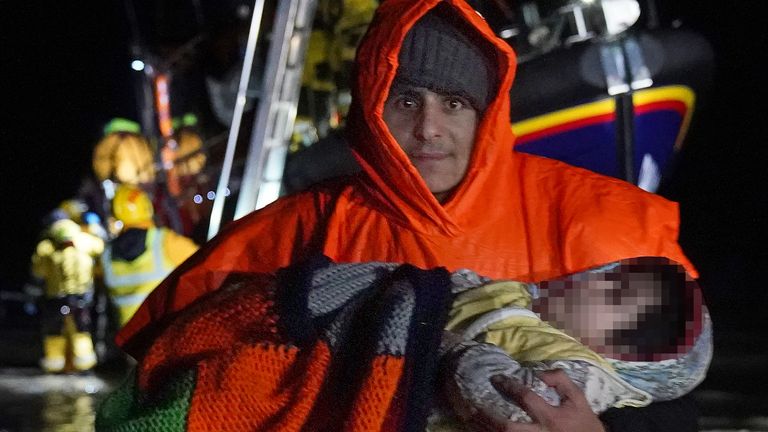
point(31, 401)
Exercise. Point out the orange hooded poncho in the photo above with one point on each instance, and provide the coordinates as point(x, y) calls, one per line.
point(514, 216)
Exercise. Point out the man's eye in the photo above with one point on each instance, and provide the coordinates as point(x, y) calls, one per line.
point(406, 102)
point(455, 104)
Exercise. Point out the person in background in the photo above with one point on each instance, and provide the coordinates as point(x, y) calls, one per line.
point(123, 154)
point(90, 222)
point(65, 261)
point(142, 254)
point(190, 154)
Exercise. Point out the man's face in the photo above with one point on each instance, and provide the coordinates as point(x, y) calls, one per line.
point(436, 131)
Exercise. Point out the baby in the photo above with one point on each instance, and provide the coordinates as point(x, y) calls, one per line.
point(624, 333)
point(635, 310)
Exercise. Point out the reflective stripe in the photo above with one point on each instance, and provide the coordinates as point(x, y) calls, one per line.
point(129, 300)
point(85, 361)
point(52, 364)
point(158, 272)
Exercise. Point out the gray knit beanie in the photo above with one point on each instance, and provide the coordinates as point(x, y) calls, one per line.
point(445, 55)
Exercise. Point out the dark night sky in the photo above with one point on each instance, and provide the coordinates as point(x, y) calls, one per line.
point(65, 73)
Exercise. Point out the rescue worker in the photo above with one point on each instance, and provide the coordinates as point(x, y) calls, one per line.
point(142, 254)
point(65, 262)
point(123, 154)
point(190, 156)
point(441, 186)
point(90, 222)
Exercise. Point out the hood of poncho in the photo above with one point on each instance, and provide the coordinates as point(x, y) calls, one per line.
point(393, 181)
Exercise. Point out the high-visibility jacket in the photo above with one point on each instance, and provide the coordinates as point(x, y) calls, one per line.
point(513, 216)
point(129, 282)
point(67, 269)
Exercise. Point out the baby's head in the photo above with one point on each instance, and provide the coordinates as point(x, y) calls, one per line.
point(635, 309)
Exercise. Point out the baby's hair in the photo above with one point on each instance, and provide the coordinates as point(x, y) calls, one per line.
point(662, 327)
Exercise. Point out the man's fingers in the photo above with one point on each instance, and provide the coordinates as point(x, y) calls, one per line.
point(533, 404)
point(573, 414)
point(565, 387)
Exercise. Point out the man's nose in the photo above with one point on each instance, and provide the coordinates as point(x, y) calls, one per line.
point(428, 123)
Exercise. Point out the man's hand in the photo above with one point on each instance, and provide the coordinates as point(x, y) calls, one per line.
point(573, 414)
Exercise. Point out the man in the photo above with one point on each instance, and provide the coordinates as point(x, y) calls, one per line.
point(142, 254)
point(65, 261)
point(440, 186)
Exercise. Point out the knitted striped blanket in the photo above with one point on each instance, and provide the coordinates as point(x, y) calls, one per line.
point(314, 347)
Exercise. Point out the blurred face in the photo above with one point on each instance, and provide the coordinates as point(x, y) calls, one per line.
point(436, 131)
point(592, 309)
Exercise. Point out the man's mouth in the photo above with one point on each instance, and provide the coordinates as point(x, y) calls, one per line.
point(429, 155)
